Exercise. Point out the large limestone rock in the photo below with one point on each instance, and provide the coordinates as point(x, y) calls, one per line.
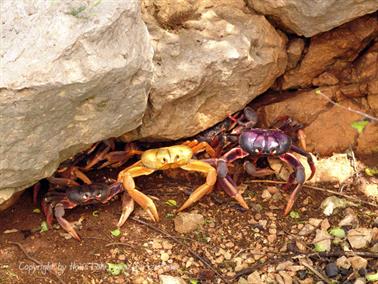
point(344, 64)
point(311, 17)
point(71, 75)
point(211, 58)
point(330, 53)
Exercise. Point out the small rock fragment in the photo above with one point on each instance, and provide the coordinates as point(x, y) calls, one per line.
point(314, 222)
point(324, 225)
point(331, 269)
point(167, 279)
point(360, 281)
point(286, 277)
point(188, 222)
point(360, 237)
point(349, 220)
point(306, 230)
point(358, 262)
point(333, 202)
point(254, 278)
point(343, 262)
point(164, 256)
point(322, 241)
point(266, 195)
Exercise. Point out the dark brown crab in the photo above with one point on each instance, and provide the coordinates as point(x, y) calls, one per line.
point(57, 200)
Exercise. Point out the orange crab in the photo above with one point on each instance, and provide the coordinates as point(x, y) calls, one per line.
point(178, 156)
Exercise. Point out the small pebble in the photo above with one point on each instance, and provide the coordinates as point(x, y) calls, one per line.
point(362, 271)
point(164, 256)
point(302, 274)
point(331, 269)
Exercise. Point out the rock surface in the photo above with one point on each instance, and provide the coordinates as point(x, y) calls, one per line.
point(328, 128)
point(330, 56)
point(309, 17)
point(59, 94)
point(213, 60)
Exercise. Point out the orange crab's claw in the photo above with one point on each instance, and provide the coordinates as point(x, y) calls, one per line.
point(126, 177)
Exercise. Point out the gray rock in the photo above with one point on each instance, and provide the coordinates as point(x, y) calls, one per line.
point(214, 62)
point(69, 79)
point(309, 17)
point(188, 222)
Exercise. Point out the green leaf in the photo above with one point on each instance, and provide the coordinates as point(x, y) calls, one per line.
point(193, 281)
point(115, 268)
point(116, 232)
point(169, 215)
point(337, 232)
point(294, 214)
point(371, 171)
point(44, 227)
point(171, 202)
point(36, 210)
point(360, 125)
point(95, 213)
point(372, 277)
point(319, 247)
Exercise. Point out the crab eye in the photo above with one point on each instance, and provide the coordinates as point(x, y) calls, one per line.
point(98, 195)
point(274, 152)
point(257, 151)
point(164, 160)
point(85, 196)
point(177, 157)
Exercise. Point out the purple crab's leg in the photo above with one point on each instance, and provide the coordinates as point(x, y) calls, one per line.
point(308, 156)
point(299, 178)
point(229, 186)
point(59, 213)
point(234, 154)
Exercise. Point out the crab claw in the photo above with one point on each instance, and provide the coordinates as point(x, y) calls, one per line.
point(127, 209)
point(59, 213)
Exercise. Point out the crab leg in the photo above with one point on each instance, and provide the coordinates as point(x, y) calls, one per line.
point(229, 186)
point(199, 166)
point(59, 213)
point(200, 146)
point(308, 156)
point(118, 158)
point(298, 176)
point(127, 178)
point(127, 209)
point(80, 175)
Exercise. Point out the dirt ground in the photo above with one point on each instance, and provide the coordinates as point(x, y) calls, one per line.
point(235, 242)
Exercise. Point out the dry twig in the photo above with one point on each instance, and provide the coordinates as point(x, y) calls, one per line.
point(28, 256)
point(318, 189)
point(318, 92)
point(306, 264)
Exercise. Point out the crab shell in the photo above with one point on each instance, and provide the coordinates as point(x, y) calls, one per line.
point(167, 157)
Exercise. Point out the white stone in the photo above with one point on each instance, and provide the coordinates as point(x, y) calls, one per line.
point(68, 79)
